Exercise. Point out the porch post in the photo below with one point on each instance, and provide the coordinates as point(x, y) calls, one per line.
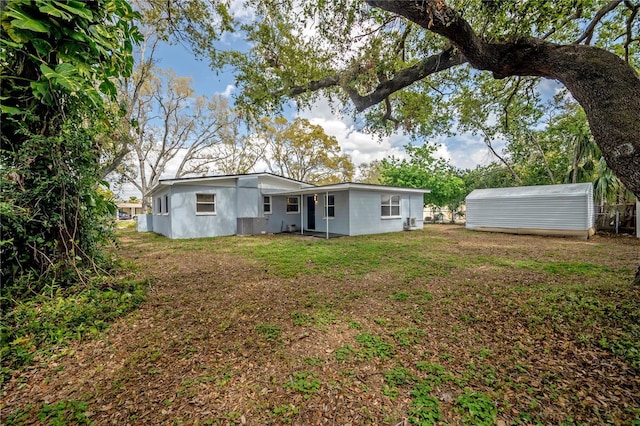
point(326, 212)
point(301, 214)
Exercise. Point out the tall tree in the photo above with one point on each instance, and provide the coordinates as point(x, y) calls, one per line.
point(303, 151)
point(58, 60)
point(174, 128)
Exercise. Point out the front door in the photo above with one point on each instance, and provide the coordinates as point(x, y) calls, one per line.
point(311, 213)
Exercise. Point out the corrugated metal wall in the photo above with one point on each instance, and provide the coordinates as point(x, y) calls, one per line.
point(549, 207)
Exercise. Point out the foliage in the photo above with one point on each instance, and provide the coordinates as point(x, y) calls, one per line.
point(563, 151)
point(35, 327)
point(269, 332)
point(56, 414)
point(369, 172)
point(477, 408)
point(58, 60)
point(374, 346)
point(303, 151)
point(399, 376)
point(303, 382)
point(425, 409)
point(424, 170)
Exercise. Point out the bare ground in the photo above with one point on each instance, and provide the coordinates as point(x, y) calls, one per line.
point(194, 353)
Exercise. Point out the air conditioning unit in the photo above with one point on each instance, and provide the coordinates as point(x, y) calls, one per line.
point(412, 221)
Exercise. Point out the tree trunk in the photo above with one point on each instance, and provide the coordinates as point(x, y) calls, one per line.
point(606, 87)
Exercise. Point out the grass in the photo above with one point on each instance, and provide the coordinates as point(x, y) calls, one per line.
point(443, 326)
point(40, 326)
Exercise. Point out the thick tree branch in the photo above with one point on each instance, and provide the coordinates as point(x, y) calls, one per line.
point(431, 65)
point(603, 84)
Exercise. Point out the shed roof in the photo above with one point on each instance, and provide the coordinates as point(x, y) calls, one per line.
point(564, 190)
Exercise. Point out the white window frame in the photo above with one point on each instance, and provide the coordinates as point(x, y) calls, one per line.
point(158, 208)
point(166, 205)
point(296, 204)
point(206, 203)
point(327, 205)
point(390, 204)
point(266, 203)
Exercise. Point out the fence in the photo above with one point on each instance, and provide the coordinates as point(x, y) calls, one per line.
point(616, 218)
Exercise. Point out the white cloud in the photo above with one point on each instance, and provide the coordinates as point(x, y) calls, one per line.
point(227, 91)
point(465, 151)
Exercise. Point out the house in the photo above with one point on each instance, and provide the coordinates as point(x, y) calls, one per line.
point(260, 203)
point(128, 210)
point(566, 210)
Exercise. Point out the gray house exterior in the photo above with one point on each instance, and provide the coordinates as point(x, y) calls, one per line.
point(566, 210)
point(265, 203)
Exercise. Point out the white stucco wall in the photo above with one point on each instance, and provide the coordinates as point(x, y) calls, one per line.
point(365, 216)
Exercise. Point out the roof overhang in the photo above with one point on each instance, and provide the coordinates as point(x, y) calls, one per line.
point(218, 180)
point(353, 186)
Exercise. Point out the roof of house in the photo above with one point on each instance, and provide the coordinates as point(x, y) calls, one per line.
point(215, 178)
point(305, 188)
point(350, 185)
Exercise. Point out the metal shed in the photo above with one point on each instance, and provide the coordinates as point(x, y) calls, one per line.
point(566, 210)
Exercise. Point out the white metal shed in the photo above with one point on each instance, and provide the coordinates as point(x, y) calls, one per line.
point(566, 210)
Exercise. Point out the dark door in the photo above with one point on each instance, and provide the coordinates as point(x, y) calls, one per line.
point(311, 213)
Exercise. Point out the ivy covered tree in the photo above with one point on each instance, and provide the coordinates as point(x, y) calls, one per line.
point(58, 61)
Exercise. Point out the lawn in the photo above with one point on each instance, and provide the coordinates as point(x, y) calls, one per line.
point(439, 326)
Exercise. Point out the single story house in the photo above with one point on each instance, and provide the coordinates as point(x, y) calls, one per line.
point(564, 210)
point(128, 208)
point(259, 203)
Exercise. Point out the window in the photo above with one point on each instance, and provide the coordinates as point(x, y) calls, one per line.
point(166, 204)
point(266, 204)
point(330, 206)
point(390, 206)
point(293, 205)
point(159, 205)
point(205, 203)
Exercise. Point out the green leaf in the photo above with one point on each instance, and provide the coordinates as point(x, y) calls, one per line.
point(43, 47)
point(108, 88)
point(41, 90)
point(11, 44)
point(25, 22)
point(52, 11)
point(11, 110)
point(77, 8)
point(65, 75)
point(93, 96)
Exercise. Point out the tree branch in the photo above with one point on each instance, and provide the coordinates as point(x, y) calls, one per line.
point(431, 65)
point(588, 33)
point(632, 17)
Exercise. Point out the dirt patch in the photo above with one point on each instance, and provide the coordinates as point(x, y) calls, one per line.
point(223, 339)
